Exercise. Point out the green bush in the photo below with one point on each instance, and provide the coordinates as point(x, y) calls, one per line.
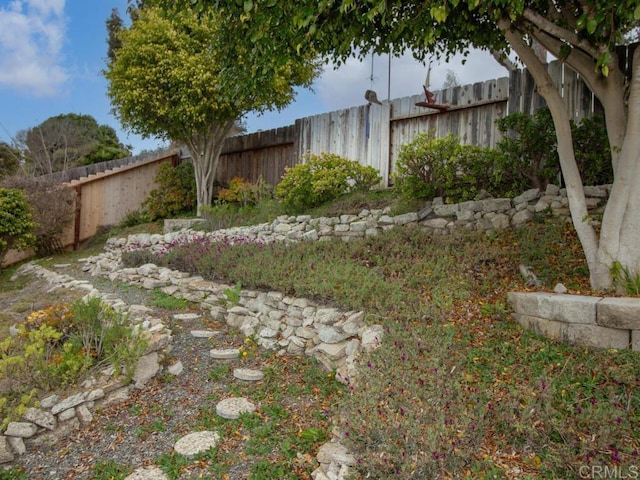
point(176, 192)
point(56, 345)
point(246, 193)
point(322, 178)
point(16, 222)
point(135, 217)
point(593, 153)
point(530, 151)
point(529, 146)
point(432, 167)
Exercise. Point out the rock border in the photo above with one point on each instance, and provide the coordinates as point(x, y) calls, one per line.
point(57, 416)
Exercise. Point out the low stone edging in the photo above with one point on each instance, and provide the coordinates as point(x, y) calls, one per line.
point(600, 322)
point(56, 416)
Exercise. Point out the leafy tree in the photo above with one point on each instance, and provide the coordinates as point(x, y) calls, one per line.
point(114, 27)
point(9, 160)
point(583, 33)
point(67, 141)
point(16, 224)
point(189, 78)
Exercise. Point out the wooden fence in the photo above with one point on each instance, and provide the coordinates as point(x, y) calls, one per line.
point(374, 134)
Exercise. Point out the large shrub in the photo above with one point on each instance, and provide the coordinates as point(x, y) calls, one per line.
point(529, 145)
point(52, 206)
point(530, 152)
point(322, 178)
point(16, 222)
point(176, 192)
point(431, 167)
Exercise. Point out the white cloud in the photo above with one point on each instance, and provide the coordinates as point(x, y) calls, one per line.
point(32, 34)
point(344, 87)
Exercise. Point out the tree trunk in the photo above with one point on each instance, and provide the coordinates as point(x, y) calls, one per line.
point(621, 220)
point(205, 148)
point(568, 165)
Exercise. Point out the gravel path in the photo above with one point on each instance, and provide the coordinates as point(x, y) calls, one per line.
point(139, 430)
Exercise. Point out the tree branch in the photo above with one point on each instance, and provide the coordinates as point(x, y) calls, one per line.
point(579, 61)
point(557, 31)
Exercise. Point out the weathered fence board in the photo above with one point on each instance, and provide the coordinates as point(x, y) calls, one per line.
point(263, 155)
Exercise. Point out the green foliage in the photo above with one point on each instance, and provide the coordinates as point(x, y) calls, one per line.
point(530, 157)
point(625, 280)
point(322, 178)
point(12, 473)
point(134, 218)
point(137, 257)
point(593, 153)
point(431, 167)
point(222, 214)
point(172, 464)
point(246, 193)
point(56, 345)
point(9, 160)
point(166, 79)
point(52, 207)
point(454, 375)
point(232, 295)
point(175, 194)
point(530, 150)
point(70, 140)
point(16, 222)
point(168, 302)
point(110, 470)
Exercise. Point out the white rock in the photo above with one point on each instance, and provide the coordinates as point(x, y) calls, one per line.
point(248, 374)
point(195, 443)
point(147, 473)
point(224, 353)
point(231, 408)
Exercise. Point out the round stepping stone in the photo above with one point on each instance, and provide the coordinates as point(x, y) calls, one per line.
point(224, 353)
point(231, 408)
point(147, 473)
point(204, 333)
point(248, 374)
point(195, 443)
point(186, 316)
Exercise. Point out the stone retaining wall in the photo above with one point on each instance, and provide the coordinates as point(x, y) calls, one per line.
point(437, 217)
point(591, 321)
point(277, 322)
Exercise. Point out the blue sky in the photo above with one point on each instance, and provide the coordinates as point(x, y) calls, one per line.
point(52, 53)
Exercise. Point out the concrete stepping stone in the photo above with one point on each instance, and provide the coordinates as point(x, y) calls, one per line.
point(195, 443)
point(204, 333)
point(248, 374)
point(147, 473)
point(224, 353)
point(186, 316)
point(231, 408)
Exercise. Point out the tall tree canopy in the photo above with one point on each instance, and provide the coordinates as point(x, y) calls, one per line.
point(582, 33)
point(67, 141)
point(189, 78)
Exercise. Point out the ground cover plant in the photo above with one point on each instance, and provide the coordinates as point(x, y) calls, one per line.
point(458, 389)
point(56, 345)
